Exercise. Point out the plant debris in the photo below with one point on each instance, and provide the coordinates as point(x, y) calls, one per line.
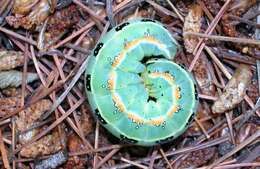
point(53, 161)
point(198, 158)
point(193, 23)
point(43, 44)
point(234, 91)
point(49, 144)
point(10, 59)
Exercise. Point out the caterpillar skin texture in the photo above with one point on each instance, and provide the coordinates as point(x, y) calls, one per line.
point(135, 89)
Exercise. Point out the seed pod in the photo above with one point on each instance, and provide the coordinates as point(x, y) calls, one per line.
point(192, 24)
point(10, 59)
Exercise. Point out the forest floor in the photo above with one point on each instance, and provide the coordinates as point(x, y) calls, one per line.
point(45, 118)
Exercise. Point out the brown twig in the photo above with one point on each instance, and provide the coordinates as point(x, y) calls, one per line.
point(236, 149)
point(223, 38)
point(52, 126)
point(200, 46)
point(3, 152)
point(107, 157)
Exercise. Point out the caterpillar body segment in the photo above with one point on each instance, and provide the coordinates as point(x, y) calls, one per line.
point(135, 89)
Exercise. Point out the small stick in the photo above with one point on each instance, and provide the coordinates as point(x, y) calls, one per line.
point(3, 152)
point(95, 160)
point(6, 121)
point(77, 48)
point(236, 149)
point(86, 27)
point(258, 74)
point(229, 122)
point(133, 163)
point(207, 12)
point(233, 17)
point(102, 149)
point(52, 126)
point(36, 65)
point(202, 128)
point(175, 10)
point(207, 97)
point(109, 10)
point(165, 158)
point(24, 75)
point(183, 150)
point(223, 38)
point(200, 46)
point(161, 9)
point(90, 11)
point(65, 93)
point(18, 36)
point(106, 158)
point(4, 5)
point(228, 75)
point(238, 165)
point(154, 153)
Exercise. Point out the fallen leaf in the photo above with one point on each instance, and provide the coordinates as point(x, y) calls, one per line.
point(246, 131)
point(234, 91)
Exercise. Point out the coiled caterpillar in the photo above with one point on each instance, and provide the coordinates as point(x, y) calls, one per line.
point(135, 89)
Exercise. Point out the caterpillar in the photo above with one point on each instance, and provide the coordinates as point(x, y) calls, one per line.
point(135, 89)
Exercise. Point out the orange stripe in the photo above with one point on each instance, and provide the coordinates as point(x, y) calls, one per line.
point(177, 93)
point(167, 76)
point(173, 109)
point(118, 103)
point(136, 42)
point(135, 118)
point(157, 121)
point(111, 81)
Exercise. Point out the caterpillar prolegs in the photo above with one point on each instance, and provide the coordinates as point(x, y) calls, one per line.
point(135, 89)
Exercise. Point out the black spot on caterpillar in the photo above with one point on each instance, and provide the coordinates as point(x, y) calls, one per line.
point(165, 140)
point(179, 109)
point(127, 140)
point(88, 82)
point(152, 98)
point(190, 119)
point(147, 20)
point(100, 118)
point(165, 27)
point(182, 66)
point(146, 58)
point(120, 27)
point(97, 49)
point(196, 92)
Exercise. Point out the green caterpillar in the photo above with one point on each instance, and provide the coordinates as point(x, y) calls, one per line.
point(134, 88)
